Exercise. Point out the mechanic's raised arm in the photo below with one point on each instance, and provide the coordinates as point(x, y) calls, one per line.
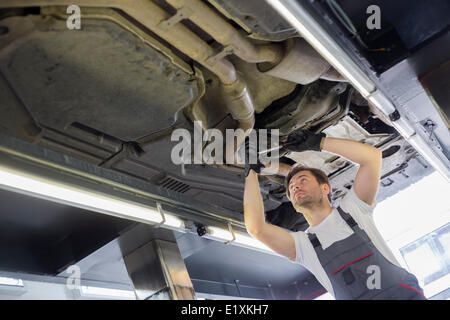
point(368, 157)
point(253, 204)
point(276, 238)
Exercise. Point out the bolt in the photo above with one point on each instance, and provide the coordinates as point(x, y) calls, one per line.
point(201, 230)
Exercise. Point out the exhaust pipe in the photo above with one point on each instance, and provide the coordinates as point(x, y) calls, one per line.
point(227, 35)
point(301, 64)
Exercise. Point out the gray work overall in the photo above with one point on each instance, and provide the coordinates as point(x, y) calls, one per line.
point(348, 265)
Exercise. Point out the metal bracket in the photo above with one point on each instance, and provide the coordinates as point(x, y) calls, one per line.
point(181, 14)
point(161, 212)
point(403, 173)
point(236, 281)
point(429, 126)
point(232, 233)
point(271, 291)
point(220, 55)
point(394, 116)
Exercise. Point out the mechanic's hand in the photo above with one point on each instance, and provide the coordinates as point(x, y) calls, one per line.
point(304, 140)
point(251, 156)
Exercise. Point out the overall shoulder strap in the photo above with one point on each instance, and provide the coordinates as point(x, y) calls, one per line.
point(347, 218)
point(313, 239)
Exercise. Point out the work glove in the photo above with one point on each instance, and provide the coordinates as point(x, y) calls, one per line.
point(303, 140)
point(250, 149)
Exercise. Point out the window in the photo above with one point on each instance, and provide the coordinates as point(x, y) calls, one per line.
point(428, 258)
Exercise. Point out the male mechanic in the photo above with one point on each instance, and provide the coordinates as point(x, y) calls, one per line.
point(342, 246)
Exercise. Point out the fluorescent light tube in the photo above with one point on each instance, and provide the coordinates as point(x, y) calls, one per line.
point(11, 282)
point(381, 102)
point(106, 292)
point(251, 242)
point(26, 183)
point(173, 221)
point(240, 239)
point(29, 184)
point(219, 234)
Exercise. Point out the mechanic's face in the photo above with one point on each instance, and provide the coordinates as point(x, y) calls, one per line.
point(304, 190)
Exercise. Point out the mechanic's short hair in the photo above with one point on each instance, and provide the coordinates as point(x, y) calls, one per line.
point(320, 176)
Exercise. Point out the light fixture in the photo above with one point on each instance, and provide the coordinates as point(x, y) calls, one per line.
point(4, 281)
point(236, 238)
point(33, 185)
point(88, 291)
point(250, 242)
point(219, 234)
point(380, 101)
point(174, 222)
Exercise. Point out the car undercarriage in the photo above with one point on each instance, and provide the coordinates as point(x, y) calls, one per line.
point(110, 94)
